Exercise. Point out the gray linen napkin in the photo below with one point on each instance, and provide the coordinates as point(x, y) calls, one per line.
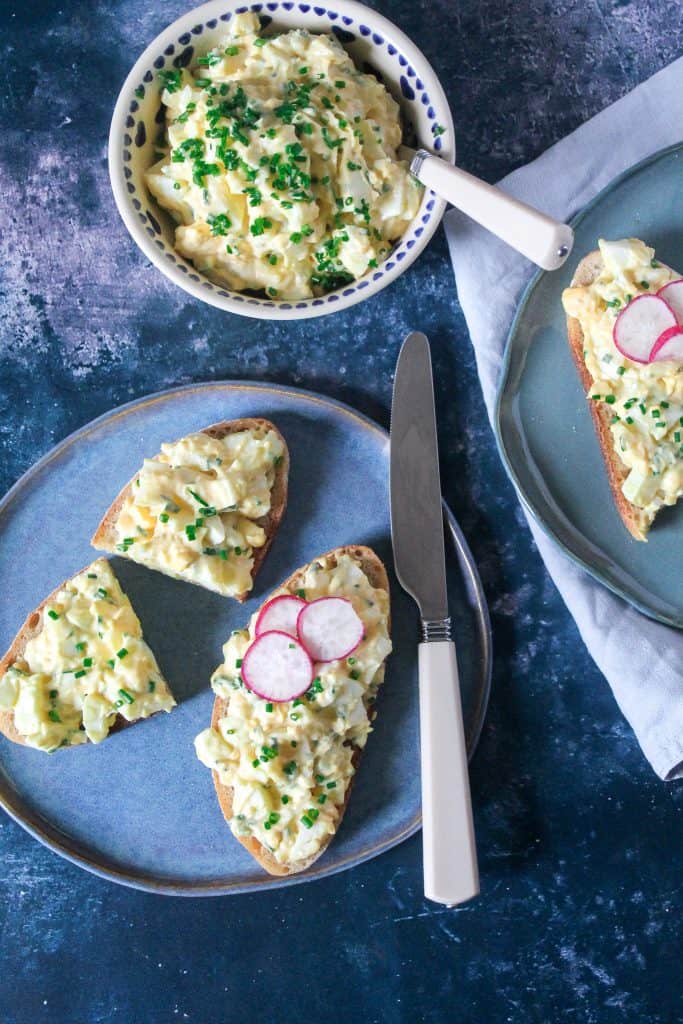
point(641, 659)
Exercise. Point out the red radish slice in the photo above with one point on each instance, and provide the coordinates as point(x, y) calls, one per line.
point(672, 293)
point(668, 346)
point(640, 324)
point(329, 628)
point(276, 667)
point(280, 614)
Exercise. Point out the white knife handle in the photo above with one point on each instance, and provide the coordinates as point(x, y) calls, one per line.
point(450, 858)
point(541, 239)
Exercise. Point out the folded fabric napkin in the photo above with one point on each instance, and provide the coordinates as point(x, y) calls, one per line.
point(641, 659)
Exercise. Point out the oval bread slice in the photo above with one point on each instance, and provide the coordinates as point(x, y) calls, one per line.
point(105, 538)
point(633, 518)
point(374, 569)
point(31, 628)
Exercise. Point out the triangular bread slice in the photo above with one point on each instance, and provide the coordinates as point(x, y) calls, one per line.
point(107, 652)
point(634, 518)
point(105, 537)
point(376, 574)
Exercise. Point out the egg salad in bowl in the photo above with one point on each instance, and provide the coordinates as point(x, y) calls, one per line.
point(280, 165)
point(254, 155)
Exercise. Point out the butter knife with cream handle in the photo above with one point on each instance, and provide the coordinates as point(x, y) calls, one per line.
point(449, 853)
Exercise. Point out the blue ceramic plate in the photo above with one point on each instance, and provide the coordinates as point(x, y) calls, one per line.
point(140, 808)
point(543, 424)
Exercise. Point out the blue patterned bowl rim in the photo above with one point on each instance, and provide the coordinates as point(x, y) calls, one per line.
point(413, 77)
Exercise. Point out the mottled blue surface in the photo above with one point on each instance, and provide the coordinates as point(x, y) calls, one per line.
point(579, 842)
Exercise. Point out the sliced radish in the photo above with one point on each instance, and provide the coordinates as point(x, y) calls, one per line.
point(672, 293)
point(330, 628)
point(640, 324)
point(668, 346)
point(280, 614)
point(276, 667)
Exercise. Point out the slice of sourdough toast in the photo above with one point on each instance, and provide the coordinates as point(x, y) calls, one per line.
point(105, 537)
point(56, 692)
point(634, 520)
point(376, 574)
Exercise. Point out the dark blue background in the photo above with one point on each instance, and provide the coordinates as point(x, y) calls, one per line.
point(579, 841)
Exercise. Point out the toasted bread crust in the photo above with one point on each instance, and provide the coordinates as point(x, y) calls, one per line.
point(377, 575)
point(104, 538)
point(587, 271)
point(30, 629)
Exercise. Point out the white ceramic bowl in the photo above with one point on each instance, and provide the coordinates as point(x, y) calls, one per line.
point(371, 40)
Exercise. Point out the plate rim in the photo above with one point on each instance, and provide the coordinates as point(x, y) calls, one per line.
point(49, 835)
point(502, 395)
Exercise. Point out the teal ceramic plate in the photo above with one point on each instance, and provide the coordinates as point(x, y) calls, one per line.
point(139, 808)
point(543, 424)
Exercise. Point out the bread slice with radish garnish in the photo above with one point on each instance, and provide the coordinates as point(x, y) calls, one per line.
point(206, 508)
point(294, 706)
point(624, 324)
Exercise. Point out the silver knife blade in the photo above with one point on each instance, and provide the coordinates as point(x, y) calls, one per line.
point(416, 513)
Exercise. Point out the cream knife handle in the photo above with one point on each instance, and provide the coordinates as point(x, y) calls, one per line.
point(537, 236)
point(450, 858)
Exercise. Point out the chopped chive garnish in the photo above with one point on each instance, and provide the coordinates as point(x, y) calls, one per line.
point(122, 653)
point(151, 685)
point(53, 715)
point(53, 614)
point(305, 820)
point(101, 592)
point(301, 593)
point(290, 768)
point(610, 399)
point(87, 662)
point(197, 497)
point(191, 532)
point(238, 663)
point(81, 672)
point(128, 697)
point(322, 798)
point(664, 404)
point(269, 707)
point(621, 370)
point(92, 575)
point(232, 51)
point(111, 663)
point(285, 799)
point(255, 763)
point(331, 785)
point(260, 225)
